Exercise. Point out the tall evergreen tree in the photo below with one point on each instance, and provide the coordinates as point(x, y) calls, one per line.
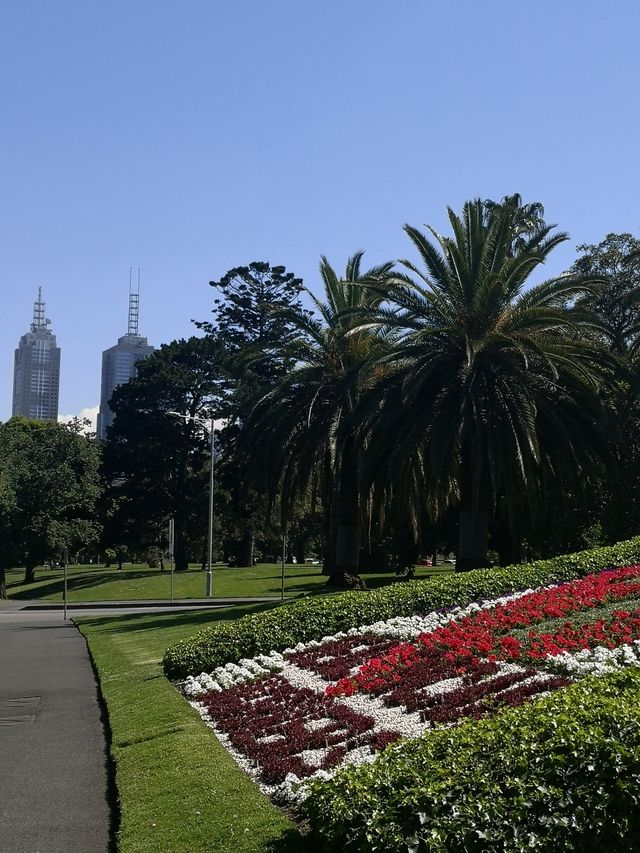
point(156, 466)
point(301, 435)
point(251, 321)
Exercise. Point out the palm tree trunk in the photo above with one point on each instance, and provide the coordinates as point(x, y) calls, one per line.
point(473, 519)
point(472, 539)
point(328, 517)
point(348, 529)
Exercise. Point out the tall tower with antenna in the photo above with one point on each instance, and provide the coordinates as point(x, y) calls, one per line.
point(119, 362)
point(36, 369)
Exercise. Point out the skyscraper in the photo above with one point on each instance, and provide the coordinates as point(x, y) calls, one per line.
point(119, 361)
point(36, 370)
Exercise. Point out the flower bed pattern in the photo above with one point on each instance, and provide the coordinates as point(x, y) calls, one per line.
point(301, 714)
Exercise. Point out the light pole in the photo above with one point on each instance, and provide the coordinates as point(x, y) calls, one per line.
point(211, 424)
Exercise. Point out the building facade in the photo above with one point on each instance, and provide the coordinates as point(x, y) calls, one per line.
point(119, 364)
point(36, 370)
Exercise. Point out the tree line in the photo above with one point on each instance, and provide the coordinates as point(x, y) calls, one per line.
point(456, 402)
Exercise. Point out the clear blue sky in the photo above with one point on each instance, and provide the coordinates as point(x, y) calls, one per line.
point(187, 138)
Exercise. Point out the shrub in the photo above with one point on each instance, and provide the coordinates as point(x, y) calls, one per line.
point(313, 619)
point(560, 774)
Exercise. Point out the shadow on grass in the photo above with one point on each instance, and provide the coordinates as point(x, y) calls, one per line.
point(78, 582)
point(151, 622)
point(292, 841)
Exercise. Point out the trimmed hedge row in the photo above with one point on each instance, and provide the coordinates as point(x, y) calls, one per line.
point(313, 619)
point(560, 774)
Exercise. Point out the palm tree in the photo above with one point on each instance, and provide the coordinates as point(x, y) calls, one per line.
point(489, 386)
point(527, 218)
point(301, 436)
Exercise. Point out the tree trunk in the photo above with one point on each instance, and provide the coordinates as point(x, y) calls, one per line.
point(329, 558)
point(472, 541)
point(328, 517)
point(180, 540)
point(473, 519)
point(245, 558)
point(180, 556)
point(507, 543)
point(29, 571)
point(3, 583)
point(348, 533)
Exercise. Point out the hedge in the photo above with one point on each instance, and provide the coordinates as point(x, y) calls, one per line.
point(278, 629)
point(560, 774)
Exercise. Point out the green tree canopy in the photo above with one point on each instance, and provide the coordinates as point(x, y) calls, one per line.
point(301, 435)
point(250, 319)
point(491, 388)
point(156, 466)
point(252, 323)
point(48, 488)
point(615, 260)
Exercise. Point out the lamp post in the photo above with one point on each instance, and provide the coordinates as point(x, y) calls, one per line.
point(210, 423)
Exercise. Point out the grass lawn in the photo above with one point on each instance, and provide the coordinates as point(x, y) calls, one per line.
point(138, 582)
point(178, 789)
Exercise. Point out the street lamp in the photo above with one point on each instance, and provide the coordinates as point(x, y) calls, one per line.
point(210, 423)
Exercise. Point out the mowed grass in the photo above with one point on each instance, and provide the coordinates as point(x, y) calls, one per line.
point(178, 789)
point(138, 582)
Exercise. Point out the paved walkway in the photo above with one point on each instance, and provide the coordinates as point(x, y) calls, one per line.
point(53, 771)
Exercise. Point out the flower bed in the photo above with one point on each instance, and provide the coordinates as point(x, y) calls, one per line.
point(307, 620)
point(560, 773)
point(456, 646)
point(294, 717)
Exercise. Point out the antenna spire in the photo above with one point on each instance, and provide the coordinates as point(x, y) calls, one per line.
point(134, 306)
point(39, 321)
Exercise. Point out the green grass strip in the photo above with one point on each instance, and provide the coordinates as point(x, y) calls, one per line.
point(178, 789)
point(139, 582)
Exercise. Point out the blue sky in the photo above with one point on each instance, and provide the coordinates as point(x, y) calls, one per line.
point(187, 138)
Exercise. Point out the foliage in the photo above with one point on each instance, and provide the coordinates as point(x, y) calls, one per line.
point(247, 313)
point(527, 218)
point(490, 390)
point(615, 260)
point(300, 436)
point(49, 488)
point(251, 323)
point(312, 620)
point(157, 466)
point(559, 774)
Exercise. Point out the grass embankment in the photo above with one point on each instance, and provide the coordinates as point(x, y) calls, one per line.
point(178, 789)
point(138, 582)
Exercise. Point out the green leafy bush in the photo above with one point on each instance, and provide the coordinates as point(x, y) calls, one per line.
point(313, 619)
point(562, 773)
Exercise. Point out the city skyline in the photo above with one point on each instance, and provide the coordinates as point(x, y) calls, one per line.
point(113, 370)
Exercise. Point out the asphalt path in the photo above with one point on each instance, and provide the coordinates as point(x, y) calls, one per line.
point(54, 783)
